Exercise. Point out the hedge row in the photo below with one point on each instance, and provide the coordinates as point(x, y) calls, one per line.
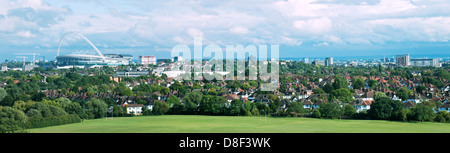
point(38, 122)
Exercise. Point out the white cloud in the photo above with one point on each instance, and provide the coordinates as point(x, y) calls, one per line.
point(239, 30)
point(143, 23)
point(315, 25)
point(321, 44)
point(25, 34)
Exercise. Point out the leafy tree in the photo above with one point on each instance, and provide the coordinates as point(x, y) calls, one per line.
point(263, 108)
point(118, 111)
point(316, 114)
point(164, 90)
point(339, 82)
point(63, 102)
point(191, 100)
point(296, 108)
point(51, 102)
point(422, 113)
point(160, 108)
point(358, 83)
point(403, 93)
point(384, 108)
point(442, 73)
point(75, 108)
point(379, 95)
point(7, 101)
point(37, 96)
point(246, 109)
point(22, 106)
point(211, 105)
point(420, 88)
point(349, 110)
point(343, 95)
point(331, 110)
point(173, 100)
point(318, 91)
point(96, 107)
point(3, 94)
point(235, 107)
point(176, 86)
point(122, 90)
point(372, 83)
point(11, 120)
point(442, 116)
point(328, 88)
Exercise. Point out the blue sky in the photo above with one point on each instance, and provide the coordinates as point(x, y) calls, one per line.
point(311, 28)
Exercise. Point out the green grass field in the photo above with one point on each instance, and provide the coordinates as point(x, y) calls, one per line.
point(231, 124)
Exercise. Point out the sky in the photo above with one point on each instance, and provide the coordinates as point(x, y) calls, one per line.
point(302, 28)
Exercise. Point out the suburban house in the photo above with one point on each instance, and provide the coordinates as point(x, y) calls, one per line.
point(362, 105)
point(409, 104)
point(307, 104)
point(134, 108)
point(444, 107)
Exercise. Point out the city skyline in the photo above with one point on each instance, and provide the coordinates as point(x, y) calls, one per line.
point(312, 28)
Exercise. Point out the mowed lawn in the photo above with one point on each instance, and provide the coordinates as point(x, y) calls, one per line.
point(238, 124)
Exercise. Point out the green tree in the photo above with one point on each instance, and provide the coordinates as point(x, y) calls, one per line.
point(318, 91)
point(316, 114)
point(372, 83)
point(441, 116)
point(122, 90)
point(296, 108)
point(343, 94)
point(160, 108)
point(176, 86)
point(403, 93)
point(339, 82)
point(173, 100)
point(211, 105)
point(379, 95)
point(235, 107)
point(3, 94)
point(420, 88)
point(75, 108)
point(349, 110)
point(97, 107)
point(23, 106)
point(358, 83)
point(384, 108)
point(331, 110)
point(328, 88)
point(191, 100)
point(422, 113)
point(12, 120)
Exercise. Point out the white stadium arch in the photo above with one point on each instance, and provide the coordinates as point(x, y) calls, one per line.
point(82, 36)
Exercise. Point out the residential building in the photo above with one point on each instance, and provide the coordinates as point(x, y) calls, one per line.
point(147, 60)
point(425, 62)
point(329, 61)
point(402, 60)
point(134, 108)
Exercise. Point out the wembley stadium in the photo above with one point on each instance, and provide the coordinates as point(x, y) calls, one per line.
point(106, 59)
point(78, 59)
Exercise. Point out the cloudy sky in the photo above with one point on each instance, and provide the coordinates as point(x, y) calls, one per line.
point(302, 28)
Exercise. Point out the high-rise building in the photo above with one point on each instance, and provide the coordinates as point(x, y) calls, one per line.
point(177, 58)
point(306, 60)
point(425, 62)
point(402, 60)
point(146, 60)
point(329, 61)
point(317, 62)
